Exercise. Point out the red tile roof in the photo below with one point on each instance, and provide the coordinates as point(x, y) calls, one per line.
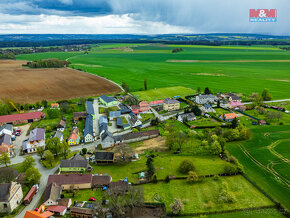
point(63, 179)
point(20, 117)
point(56, 208)
point(156, 102)
point(230, 116)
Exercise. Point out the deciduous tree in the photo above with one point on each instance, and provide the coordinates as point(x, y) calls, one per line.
point(177, 206)
point(5, 159)
point(32, 176)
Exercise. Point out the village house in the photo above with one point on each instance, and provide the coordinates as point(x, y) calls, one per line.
point(114, 114)
point(75, 164)
point(36, 139)
point(10, 196)
point(40, 213)
point(134, 120)
point(135, 109)
point(6, 129)
point(51, 194)
point(59, 135)
point(171, 104)
point(207, 108)
point(89, 131)
point(74, 138)
point(103, 124)
point(22, 118)
point(90, 108)
point(119, 122)
point(233, 97)
point(5, 143)
point(57, 210)
point(186, 117)
point(61, 126)
point(237, 105)
point(107, 139)
point(203, 99)
point(125, 109)
point(103, 157)
point(108, 101)
point(228, 117)
point(54, 105)
point(144, 106)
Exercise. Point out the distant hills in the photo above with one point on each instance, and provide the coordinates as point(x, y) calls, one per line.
point(28, 40)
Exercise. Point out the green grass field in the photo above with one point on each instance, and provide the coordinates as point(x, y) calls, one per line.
point(265, 159)
point(196, 197)
point(263, 213)
point(162, 93)
point(147, 61)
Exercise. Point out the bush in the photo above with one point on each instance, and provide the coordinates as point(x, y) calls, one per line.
point(177, 206)
point(192, 177)
point(230, 169)
point(233, 160)
point(167, 179)
point(225, 196)
point(154, 179)
point(216, 177)
point(186, 166)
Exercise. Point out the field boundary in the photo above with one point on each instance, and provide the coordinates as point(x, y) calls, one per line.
point(224, 61)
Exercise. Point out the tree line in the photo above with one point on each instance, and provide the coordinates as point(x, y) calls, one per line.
point(48, 63)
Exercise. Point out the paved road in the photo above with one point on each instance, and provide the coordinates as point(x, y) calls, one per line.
point(270, 101)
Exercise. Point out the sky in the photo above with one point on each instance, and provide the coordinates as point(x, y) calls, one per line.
point(140, 16)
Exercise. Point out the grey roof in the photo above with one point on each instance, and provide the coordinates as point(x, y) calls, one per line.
point(52, 192)
point(124, 109)
point(170, 101)
point(107, 98)
point(207, 106)
point(234, 97)
point(187, 115)
point(119, 121)
point(7, 126)
point(106, 134)
point(104, 155)
point(58, 134)
point(90, 108)
point(77, 157)
point(103, 119)
point(61, 124)
point(103, 126)
point(74, 163)
point(89, 126)
point(115, 113)
point(206, 96)
point(37, 134)
point(6, 139)
point(4, 191)
point(103, 123)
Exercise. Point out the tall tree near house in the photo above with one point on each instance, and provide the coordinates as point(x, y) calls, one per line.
point(145, 84)
point(54, 146)
point(44, 103)
point(180, 139)
point(207, 91)
point(5, 159)
point(234, 123)
point(65, 149)
point(27, 163)
point(40, 151)
point(32, 176)
point(48, 156)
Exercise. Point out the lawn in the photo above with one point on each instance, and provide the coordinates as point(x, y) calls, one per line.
point(262, 213)
point(146, 116)
point(196, 197)
point(285, 117)
point(165, 164)
point(204, 121)
point(84, 195)
point(150, 62)
point(162, 93)
point(264, 166)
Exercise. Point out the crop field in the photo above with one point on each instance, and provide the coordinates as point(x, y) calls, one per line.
point(266, 160)
point(161, 93)
point(25, 85)
point(225, 68)
point(196, 197)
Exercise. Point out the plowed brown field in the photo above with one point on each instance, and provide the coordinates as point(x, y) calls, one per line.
point(25, 85)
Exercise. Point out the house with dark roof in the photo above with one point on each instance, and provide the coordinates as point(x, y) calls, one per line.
point(61, 126)
point(76, 164)
point(136, 136)
point(107, 139)
point(103, 157)
point(90, 108)
point(233, 97)
point(82, 212)
point(186, 117)
point(10, 196)
point(204, 99)
point(103, 124)
point(36, 139)
point(207, 108)
point(101, 181)
point(119, 122)
point(51, 194)
point(59, 135)
point(124, 109)
point(6, 129)
point(108, 101)
point(89, 131)
point(79, 115)
point(171, 104)
point(114, 114)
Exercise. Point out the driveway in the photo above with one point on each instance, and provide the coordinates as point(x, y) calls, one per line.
point(19, 139)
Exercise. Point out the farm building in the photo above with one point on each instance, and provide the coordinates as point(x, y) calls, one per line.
point(114, 114)
point(237, 105)
point(58, 210)
point(74, 138)
point(76, 164)
point(228, 117)
point(21, 118)
point(104, 157)
point(101, 181)
point(124, 109)
point(61, 126)
point(90, 108)
point(66, 181)
point(108, 101)
point(10, 196)
point(36, 139)
point(204, 99)
point(171, 104)
point(136, 136)
point(82, 212)
point(79, 115)
point(89, 131)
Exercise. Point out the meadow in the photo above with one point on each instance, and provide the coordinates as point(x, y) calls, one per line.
point(265, 160)
point(203, 196)
point(151, 62)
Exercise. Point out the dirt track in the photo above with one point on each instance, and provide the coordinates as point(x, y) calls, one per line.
point(24, 85)
point(224, 61)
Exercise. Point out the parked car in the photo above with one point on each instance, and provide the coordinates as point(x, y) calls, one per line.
point(92, 199)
